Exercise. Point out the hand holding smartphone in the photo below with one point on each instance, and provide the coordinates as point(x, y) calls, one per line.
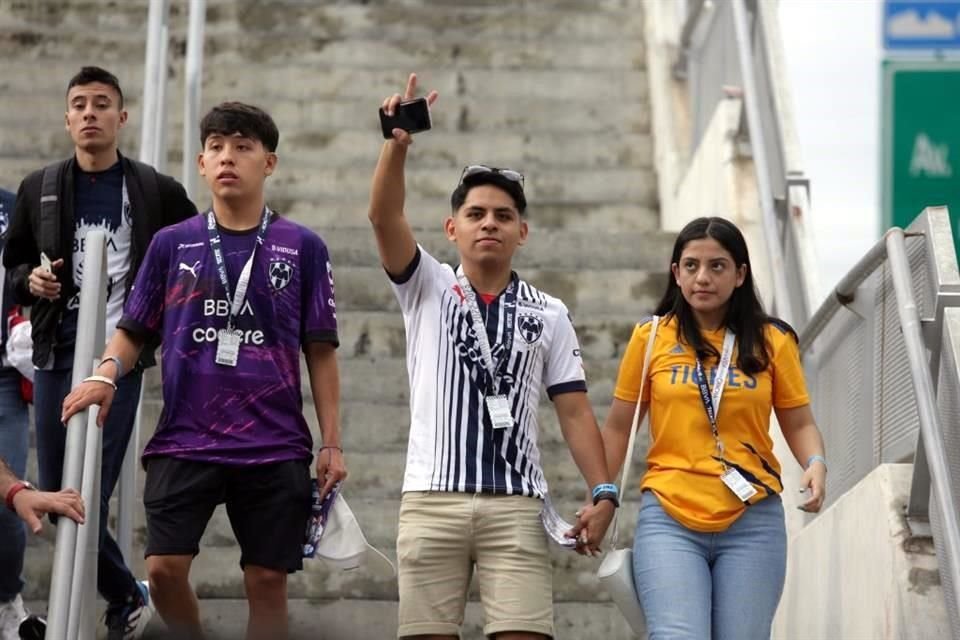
point(412, 116)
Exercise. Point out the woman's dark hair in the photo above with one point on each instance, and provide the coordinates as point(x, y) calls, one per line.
point(745, 314)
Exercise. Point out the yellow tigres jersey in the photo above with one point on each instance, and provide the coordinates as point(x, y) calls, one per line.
point(682, 464)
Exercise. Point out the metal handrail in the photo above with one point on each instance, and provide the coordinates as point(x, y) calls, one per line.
point(891, 248)
point(931, 433)
point(781, 297)
point(73, 585)
point(845, 291)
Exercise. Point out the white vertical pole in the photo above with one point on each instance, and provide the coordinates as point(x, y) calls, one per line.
point(193, 84)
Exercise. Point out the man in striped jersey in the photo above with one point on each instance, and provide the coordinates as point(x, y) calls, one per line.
point(480, 344)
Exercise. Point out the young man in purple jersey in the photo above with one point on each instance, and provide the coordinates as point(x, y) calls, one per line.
point(233, 295)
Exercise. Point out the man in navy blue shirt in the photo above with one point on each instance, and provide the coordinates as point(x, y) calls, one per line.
point(98, 188)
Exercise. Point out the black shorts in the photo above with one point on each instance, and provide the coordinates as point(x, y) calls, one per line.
point(268, 506)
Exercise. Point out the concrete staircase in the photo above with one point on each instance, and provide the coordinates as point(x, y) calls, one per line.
point(556, 89)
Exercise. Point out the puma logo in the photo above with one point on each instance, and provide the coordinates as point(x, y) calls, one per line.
point(192, 270)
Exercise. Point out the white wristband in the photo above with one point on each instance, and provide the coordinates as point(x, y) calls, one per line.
point(101, 379)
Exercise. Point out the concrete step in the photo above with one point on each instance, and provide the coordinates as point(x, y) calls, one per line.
point(25, 42)
point(584, 115)
point(401, 21)
point(347, 183)
point(358, 149)
point(359, 619)
point(293, 81)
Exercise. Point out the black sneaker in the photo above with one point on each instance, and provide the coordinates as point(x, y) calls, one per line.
point(33, 627)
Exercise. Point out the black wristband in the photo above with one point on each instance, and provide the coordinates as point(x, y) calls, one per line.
point(607, 495)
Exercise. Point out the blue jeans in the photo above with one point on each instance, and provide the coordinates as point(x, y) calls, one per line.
point(719, 586)
point(114, 581)
point(14, 419)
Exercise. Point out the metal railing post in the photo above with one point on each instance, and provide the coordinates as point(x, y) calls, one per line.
point(159, 159)
point(931, 432)
point(193, 84)
point(77, 545)
point(153, 151)
point(781, 296)
point(153, 69)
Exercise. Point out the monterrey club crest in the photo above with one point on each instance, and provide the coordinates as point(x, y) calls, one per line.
point(530, 326)
point(280, 274)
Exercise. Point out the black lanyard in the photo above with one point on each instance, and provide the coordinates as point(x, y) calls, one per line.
point(244, 280)
point(723, 367)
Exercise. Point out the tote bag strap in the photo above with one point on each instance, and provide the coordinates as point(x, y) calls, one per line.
point(636, 423)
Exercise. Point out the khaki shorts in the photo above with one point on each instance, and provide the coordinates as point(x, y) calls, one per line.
point(442, 535)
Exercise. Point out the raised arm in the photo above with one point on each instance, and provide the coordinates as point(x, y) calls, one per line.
point(395, 239)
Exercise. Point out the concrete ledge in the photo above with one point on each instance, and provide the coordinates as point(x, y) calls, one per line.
point(857, 572)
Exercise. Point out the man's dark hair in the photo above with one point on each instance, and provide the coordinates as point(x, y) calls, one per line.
point(510, 187)
point(89, 75)
point(230, 118)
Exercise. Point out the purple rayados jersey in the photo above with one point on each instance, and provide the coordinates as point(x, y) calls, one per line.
point(251, 413)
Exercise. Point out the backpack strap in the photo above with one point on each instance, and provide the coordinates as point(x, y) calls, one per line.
point(147, 175)
point(49, 232)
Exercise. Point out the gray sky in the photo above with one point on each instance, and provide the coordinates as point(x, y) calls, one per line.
point(833, 57)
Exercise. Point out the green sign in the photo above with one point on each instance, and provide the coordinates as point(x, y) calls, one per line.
point(920, 140)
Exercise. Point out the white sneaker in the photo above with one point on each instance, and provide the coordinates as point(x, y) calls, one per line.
point(130, 622)
point(11, 613)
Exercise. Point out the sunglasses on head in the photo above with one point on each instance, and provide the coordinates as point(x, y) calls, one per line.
point(477, 169)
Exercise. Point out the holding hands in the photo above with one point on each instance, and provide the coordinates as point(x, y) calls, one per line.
point(591, 526)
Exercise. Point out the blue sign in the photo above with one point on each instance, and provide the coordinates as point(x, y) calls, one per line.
point(921, 24)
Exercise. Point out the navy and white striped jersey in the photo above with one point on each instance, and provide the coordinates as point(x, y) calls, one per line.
point(452, 445)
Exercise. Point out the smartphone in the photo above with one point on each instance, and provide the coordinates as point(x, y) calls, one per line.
point(45, 262)
point(412, 116)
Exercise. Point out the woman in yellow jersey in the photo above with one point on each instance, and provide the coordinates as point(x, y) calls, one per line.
point(710, 546)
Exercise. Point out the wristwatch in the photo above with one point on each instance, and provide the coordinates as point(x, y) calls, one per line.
point(15, 489)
